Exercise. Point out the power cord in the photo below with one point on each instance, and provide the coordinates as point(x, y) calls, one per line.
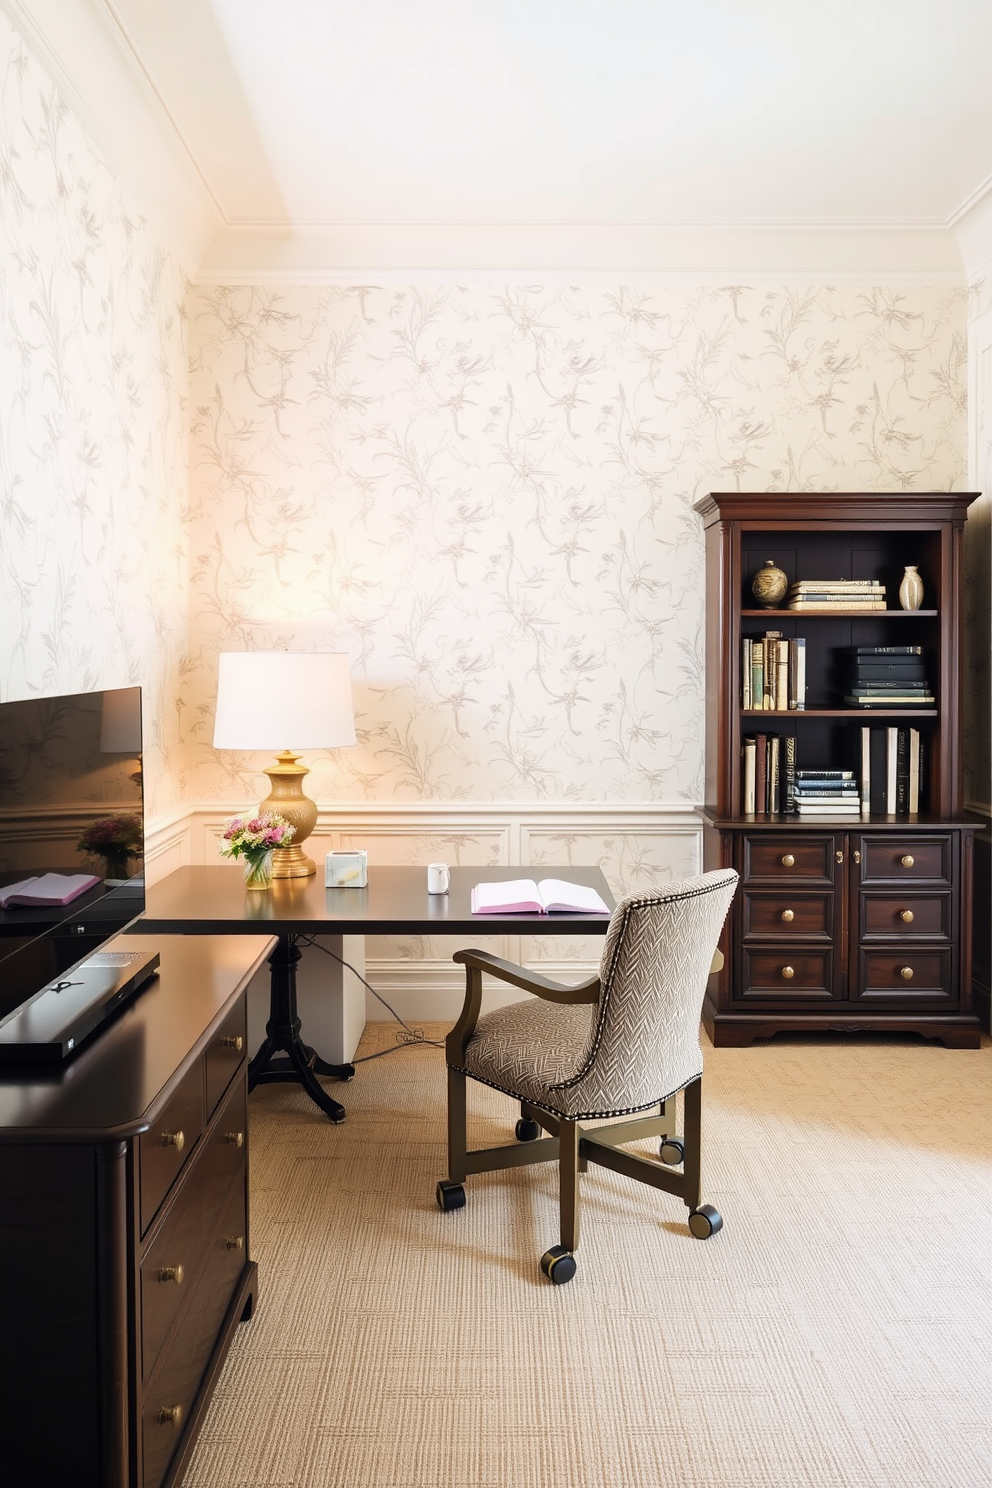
point(404, 1039)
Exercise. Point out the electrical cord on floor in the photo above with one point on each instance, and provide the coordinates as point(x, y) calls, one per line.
point(412, 1035)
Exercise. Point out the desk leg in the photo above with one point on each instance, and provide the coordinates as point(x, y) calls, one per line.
point(283, 1054)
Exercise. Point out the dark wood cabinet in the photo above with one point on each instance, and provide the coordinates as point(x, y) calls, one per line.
point(124, 1229)
point(844, 922)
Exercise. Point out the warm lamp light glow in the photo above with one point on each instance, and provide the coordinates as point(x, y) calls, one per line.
point(286, 701)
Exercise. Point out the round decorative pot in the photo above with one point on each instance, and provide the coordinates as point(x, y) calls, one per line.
point(769, 585)
point(911, 589)
point(258, 871)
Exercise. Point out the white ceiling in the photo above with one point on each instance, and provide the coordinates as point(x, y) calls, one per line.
point(337, 123)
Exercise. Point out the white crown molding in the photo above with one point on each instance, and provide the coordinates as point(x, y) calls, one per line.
point(973, 231)
point(700, 254)
point(82, 48)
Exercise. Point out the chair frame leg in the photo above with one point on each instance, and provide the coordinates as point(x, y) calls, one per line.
point(569, 1143)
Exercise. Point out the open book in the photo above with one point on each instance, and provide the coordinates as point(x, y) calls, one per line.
point(49, 888)
point(524, 896)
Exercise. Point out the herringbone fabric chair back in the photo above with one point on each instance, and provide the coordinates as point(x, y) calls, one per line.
point(644, 1043)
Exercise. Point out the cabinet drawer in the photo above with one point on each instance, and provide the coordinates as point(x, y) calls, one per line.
point(787, 972)
point(794, 916)
point(905, 916)
point(789, 858)
point(165, 1148)
point(168, 1271)
point(225, 1054)
point(908, 974)
point(902, 859)
point(177, 1381)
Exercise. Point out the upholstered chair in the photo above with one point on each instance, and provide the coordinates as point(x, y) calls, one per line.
point(623, 1042)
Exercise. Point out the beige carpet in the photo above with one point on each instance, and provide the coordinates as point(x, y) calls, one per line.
point(836, 1333)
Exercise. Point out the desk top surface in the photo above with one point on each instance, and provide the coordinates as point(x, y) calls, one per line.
point(214, 900)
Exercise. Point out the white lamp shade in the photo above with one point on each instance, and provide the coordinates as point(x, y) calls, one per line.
point(120, 721)
point(283, 700)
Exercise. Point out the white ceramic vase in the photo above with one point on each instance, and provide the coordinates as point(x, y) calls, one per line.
point(911, 589)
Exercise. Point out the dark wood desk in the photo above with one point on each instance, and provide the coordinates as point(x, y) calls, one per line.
point(213, 900)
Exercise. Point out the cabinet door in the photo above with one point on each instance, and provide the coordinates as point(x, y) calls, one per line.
point(903, 920)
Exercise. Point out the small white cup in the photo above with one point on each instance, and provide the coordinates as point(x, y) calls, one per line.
point(438, 878)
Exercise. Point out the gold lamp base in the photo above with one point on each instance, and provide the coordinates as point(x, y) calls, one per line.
point(286, 797)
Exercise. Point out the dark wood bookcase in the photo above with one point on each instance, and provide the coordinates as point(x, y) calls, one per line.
point(842, 923)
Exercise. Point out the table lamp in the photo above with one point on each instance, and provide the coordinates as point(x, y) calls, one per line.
point(120, 725)
point(270, 699)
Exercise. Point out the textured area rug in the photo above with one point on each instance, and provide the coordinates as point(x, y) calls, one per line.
point(834, 1334)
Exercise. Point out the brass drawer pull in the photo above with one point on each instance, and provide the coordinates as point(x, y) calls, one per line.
point(906, 973)
point(174, 1139)
point(234, 1242)
point(906, 915)
point(171, 1273)
point(788, 972)
point(236, 1042)
point(788, 861)
point(234, 1139)
point(908, 860)
point(788, 916)
point(170, 1415)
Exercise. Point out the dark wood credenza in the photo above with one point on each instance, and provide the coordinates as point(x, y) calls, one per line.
point(124, 1232)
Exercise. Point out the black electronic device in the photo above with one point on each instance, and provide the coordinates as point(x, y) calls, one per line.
point(71, 811)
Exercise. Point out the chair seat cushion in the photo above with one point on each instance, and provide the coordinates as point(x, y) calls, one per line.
point(529, 1047)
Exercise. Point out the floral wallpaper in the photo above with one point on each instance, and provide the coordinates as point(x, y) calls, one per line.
point(484, 495)
point(93, 563)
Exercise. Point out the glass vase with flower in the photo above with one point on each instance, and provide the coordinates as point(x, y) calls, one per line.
point(253, 838)
point(115, 839)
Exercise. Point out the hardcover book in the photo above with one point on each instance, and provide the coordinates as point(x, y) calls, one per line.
point(524, 896)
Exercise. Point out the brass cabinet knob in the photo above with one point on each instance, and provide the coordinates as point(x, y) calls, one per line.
point(170, 1415)
point(788, 861)
point(906, 915)
point(237, 1043)
point(234, 1139)
point(788, 972)
point(908, 860)
point(174, 1139)
point(171, 1273)
point(838, 857)
point(788, 915)
point(906, 973)
point(234, 1242)
point(856, 855)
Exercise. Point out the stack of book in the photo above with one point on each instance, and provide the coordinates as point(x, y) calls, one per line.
point(887, 677)
point(827, 793)
point(836, 594)
point(892, 770)
point(773, 672)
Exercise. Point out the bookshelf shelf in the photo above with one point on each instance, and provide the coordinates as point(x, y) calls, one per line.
point(867, 967)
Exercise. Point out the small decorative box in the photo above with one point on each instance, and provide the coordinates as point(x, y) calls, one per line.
point(346, 870)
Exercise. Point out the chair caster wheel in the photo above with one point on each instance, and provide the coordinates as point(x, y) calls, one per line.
point(450, 1196)
point(705, 1221)
point(558, 1265)
point(526, 1130)
point(672, 1151)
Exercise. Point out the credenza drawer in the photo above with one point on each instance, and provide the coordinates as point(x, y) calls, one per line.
point(177, 1380)
point(796, 916)
point(911, 974)
point(903, 859)
point(905, 916)
point(167, 1146)
point(787, 971)
point(225, 1053)
point(169, 1270)
point(789, 858)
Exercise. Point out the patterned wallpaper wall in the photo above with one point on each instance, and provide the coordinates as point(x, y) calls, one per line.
point(93, 563)
point(485, 496)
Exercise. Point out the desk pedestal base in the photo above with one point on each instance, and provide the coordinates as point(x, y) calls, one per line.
point(283, 1055)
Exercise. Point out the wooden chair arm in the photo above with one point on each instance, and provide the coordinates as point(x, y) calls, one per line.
point(477, 962)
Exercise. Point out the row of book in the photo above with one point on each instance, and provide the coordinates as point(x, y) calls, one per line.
point(773, 672)
point(836, 594)
point(890, 780)
point(886, 677)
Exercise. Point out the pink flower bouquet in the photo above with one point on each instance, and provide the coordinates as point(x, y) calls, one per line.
point(253, 838)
